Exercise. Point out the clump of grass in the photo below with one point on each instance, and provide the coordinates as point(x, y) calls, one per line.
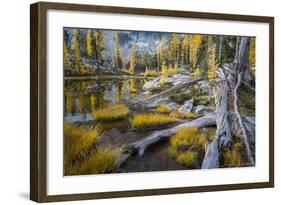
point(232, 158)
point(115, 112)
point(78, 140)
point(162, 109)
point(177, 114)
point(187, 159)
point(150, 120)
point(103, 160)
point(190, 136)
point(181, 115)
point(190, 115)
point(184, 145)
point(151, 73)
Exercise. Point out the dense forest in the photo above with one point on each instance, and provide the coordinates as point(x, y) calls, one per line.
point(88, 52)
point(139, 101)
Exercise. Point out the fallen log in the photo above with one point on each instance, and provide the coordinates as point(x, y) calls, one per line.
point(140, 146)
point(176, 87)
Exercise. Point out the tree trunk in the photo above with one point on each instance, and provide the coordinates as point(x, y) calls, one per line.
point(220, 47)
point(220, 90)
point(227, 83)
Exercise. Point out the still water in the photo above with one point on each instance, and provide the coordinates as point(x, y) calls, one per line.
point(82, 97)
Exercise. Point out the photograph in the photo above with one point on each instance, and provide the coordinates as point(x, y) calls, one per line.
point(143, 101)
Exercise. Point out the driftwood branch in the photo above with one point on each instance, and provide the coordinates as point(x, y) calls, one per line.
point(140, 146)
point(174, 88)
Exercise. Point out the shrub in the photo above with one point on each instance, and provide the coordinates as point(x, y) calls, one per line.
point(103, 160)
point(150, 120)
point(115, 112)
point(78, 140)
point(187, 159)
point(162, 109)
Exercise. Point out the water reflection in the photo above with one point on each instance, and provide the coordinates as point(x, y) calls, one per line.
point(82, 97)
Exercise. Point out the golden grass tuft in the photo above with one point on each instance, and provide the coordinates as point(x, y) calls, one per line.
point(190, 136)
point(103, 160)
point(150, 120)
point(187, 159)
point(232, 158)
point(190, 115)
point(180, 115)
point(162, 109)
point(78, 140)
point(181, 144)
point(115, 112)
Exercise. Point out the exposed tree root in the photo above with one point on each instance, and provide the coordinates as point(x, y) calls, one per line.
point(245, 137)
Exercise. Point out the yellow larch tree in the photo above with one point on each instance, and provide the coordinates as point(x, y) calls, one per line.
point(175, 48)
point(66, 56)
point(89, 43)
point(252, 55)
point(194, 49)
point(212, 65)
point(132, 59)
point(116, 51)
point(185, 49)
point(76, 47)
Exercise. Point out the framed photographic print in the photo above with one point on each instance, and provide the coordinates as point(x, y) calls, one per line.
point(134, 102)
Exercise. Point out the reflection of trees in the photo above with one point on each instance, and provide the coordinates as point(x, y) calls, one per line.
point(69, 103)
point(119, 91)
point(133, 89)
point(88, 95)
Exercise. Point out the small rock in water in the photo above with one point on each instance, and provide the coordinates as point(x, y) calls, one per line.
point(186, 107)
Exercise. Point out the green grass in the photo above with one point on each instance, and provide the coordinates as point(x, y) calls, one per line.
point(115, 112)
point(151, 120)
